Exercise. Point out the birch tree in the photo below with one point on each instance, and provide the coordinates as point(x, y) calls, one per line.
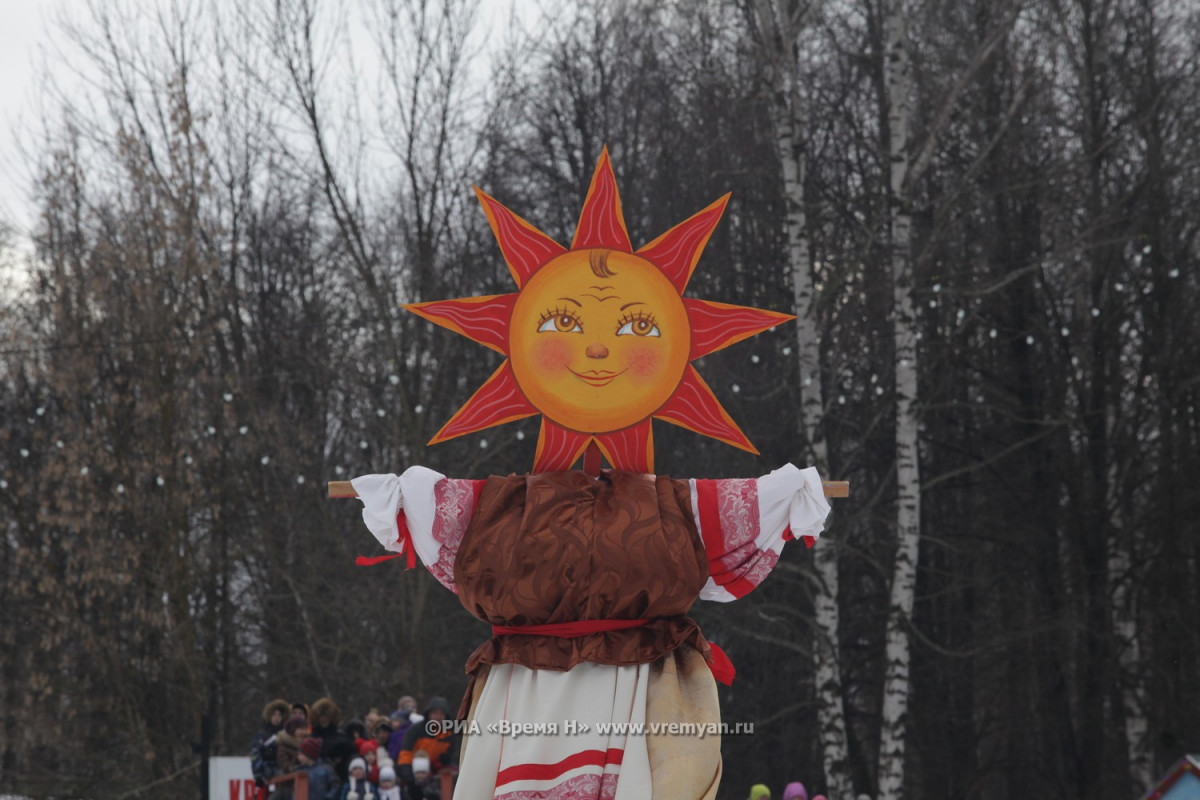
point(194, 311)
point(898, 91)
point(907, 160)
point(778, 25)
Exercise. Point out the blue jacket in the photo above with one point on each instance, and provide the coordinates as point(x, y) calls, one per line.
point(323, 783)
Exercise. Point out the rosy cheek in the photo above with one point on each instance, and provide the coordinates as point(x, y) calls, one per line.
point(644, 361)
point(551, 353)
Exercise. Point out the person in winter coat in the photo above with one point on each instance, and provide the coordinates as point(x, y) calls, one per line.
point(368, 752)
point(288, 741)
point(381, 733)
point(428, 785)
point(437, 740)
point(388, 788)
point(372, 720)
point(263, 750)
point(336, 746)
point(404, 716)
point(356, 729)
point(358, 783)
point(322, 782)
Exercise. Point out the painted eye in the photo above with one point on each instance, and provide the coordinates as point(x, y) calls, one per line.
point(560, 323)
point(640, 326)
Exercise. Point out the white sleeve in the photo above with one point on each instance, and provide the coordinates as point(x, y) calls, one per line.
point(414, 492)
point(382, 501)
point(745, 523)
point(808, 507)
point(419, 487)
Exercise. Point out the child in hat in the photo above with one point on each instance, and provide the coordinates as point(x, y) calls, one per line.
point(357, 784)
point(428, 784)
point(388, 788)
point(322, 782)
point(368, 752)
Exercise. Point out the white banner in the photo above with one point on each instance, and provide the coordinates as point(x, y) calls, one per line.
point(230, 778)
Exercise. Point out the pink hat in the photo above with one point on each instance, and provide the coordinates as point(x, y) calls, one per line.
point(795, 791)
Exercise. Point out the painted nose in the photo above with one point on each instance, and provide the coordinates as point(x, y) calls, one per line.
point(596, 350)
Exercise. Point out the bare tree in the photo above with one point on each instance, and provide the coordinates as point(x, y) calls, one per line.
point(779, 27)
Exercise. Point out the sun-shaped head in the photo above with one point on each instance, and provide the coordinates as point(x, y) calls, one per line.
point(599, 338)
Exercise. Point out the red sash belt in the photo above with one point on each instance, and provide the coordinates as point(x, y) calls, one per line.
point(719, 663)
point(569, 630)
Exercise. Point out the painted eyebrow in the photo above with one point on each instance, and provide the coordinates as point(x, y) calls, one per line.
point(634, 303)
point(572, 300)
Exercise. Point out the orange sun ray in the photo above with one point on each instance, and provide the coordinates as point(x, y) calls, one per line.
point(558, 448)
point(564, 347)
point(715, 326)
point(632, 448)
point(695, 407)
point(484, 319)
point(601, 223)
point(524, 247)
point(677, 251)
point(498, 401)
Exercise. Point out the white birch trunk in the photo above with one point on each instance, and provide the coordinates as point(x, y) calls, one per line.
point(827, 676)
point(1129, 653)
point(1133, 688)
point(779, 32)
point(898, 86)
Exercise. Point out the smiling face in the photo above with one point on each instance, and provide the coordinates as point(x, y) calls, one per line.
point(599, 340)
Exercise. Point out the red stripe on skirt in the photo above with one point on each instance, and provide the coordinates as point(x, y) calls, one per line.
point(546, 772)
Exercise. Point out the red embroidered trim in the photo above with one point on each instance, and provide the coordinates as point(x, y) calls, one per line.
point(546, 772)
point(714, 540)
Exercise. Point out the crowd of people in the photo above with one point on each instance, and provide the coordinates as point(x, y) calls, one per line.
point(396, 756)
point(793, 791)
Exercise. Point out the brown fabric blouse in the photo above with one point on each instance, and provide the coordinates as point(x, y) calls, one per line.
point(562, 547)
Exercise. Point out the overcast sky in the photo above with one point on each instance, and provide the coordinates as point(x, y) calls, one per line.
point(27, 46)
point(25, 30)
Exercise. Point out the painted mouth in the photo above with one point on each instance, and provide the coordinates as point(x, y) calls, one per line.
point(597, 377)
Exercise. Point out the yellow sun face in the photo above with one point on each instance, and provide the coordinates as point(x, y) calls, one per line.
point(599, 340)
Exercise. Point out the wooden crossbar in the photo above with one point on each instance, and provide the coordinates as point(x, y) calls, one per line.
point(832, 489)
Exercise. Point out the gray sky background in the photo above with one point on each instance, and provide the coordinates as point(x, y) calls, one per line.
point(27, 51)
point(24, 31)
